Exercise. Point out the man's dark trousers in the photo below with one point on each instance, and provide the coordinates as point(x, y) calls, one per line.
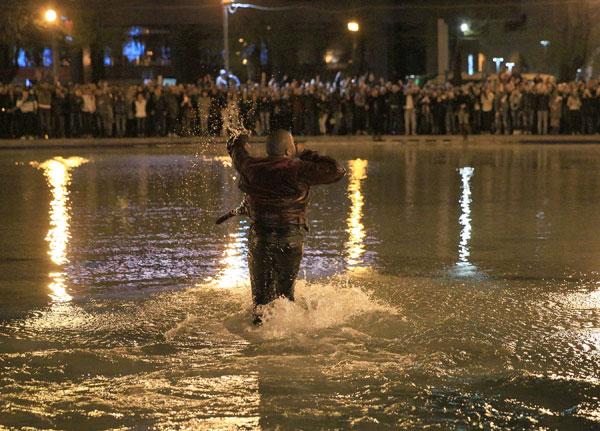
point(274, 255)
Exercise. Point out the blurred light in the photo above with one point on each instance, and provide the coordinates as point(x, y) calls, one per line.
point(245, 61)
point(471, 64)
point(22, 58)
point(355, 227)
point(545, 43)
point(241, 40)
point(58, 175)
point(331, 57)
point(498, 61)
point(465, 217)
point(353, 26)
point(510, 66)
point(50, 15)
point(47, 57)
point(135, 31)
point(465, 28)
point(133, 50)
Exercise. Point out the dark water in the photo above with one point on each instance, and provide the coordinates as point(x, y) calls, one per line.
point(446, 287)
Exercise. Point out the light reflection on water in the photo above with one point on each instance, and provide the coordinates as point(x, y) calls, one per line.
point(233, 267)
point(355, 246)
point(397, 347)
point(58, 174)
point(464, 265)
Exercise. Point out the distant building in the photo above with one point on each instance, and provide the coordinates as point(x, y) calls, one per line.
point(184, 39)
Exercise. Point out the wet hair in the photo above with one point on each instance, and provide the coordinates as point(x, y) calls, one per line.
point(279, 142)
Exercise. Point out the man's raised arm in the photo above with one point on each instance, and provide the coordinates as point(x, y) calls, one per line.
point(317, 169)
point(237, 147)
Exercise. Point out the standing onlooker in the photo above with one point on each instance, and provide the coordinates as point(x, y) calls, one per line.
point(44, 100)
point(556, 107)
point(140, 114)
point(542, 106)
point(27, 107)
point(120, 112)
point(574, 106)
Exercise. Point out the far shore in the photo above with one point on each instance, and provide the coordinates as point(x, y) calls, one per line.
point(30, 144)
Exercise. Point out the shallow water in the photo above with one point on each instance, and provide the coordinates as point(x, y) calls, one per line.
point(443, 286)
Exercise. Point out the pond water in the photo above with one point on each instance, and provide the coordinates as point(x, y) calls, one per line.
point(443, 286)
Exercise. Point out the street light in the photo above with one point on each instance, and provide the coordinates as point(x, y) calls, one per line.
point(51, 17)
point(226, 5)
point(353, 26)
point(465, 27)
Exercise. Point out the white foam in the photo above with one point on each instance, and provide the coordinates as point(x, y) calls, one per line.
point(317, 306)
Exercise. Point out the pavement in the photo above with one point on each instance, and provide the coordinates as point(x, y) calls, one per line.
point(12, 144)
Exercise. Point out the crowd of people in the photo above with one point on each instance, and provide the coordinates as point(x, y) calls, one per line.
point(503, 104)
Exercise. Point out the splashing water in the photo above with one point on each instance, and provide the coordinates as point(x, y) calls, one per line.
point(317, 306)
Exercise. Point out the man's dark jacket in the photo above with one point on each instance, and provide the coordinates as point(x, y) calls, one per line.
point(277, 187)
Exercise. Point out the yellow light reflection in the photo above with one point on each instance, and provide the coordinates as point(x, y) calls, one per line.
point(58, 174)
point(355, 245)
point(234, 271)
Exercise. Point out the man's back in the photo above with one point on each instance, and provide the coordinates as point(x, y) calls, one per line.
point(277, 187)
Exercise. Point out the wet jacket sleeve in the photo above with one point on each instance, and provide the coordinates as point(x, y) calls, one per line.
point(237, 146)
point(317, 169)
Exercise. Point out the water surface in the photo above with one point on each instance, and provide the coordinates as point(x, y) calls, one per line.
point(448, 286)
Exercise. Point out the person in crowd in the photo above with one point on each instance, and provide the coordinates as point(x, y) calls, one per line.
point(556, 109)
point(44, 102)
point(140, 114)
point(574, 106)
point(104, 107)
point(504, 104)
point(542, 108)
point(88, 109)
point(27, 107)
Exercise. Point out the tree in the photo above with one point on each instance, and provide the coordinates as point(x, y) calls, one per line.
point(17, 30)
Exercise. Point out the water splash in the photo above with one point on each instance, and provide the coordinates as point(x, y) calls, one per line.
point(317, 306)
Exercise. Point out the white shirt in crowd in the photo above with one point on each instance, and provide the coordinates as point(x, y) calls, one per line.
point(89, 103)
point(140, 108)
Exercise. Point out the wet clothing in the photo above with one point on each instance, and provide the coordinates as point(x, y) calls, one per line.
point(277, 191)
point(274, 256)
point(277, 187)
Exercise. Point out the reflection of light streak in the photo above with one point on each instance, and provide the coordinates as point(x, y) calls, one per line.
point(58, 174)
point(465, 217)
point(355, 228)
point(234, 269)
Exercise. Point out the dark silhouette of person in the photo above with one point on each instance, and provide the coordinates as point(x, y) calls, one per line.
point(277, 189)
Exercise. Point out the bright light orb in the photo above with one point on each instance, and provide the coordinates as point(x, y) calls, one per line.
point(353, 26)
point(50, 15)
point(464, 27)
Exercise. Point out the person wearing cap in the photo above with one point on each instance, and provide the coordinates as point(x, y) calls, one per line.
point(277, 189)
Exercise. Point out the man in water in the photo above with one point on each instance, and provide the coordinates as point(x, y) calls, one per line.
point(277, 189)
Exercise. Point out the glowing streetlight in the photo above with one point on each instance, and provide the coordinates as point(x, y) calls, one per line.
point(50, 16)
point(353, 26)
point(226, 5)
point(465, 27)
